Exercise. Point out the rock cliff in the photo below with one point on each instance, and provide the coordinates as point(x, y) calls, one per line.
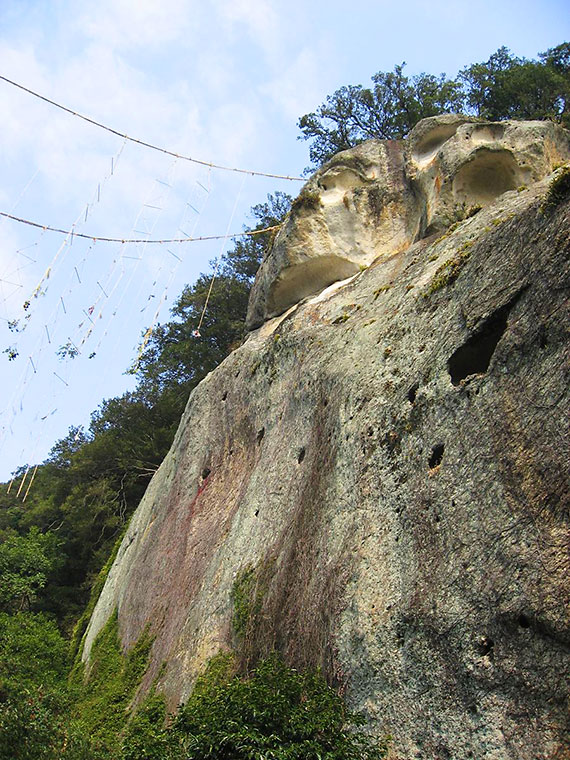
point(387, 453)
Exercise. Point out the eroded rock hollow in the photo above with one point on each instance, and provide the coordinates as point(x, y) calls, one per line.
point(387, 452)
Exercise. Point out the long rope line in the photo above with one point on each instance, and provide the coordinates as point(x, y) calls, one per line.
point(97, 239)
point(199, 211)
point(218, 260)
point(147, 144)
point(163, 199)
point(45, 338)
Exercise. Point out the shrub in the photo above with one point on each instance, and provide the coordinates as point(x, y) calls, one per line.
point(275, 713)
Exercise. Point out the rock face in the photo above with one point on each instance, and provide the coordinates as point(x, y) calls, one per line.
point(389, 458)
point(377, 199)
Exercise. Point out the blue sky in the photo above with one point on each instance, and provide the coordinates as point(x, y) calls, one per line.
point(224, 81)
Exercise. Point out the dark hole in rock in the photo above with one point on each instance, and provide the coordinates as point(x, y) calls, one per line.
point(413, 392)
point(301, 455)
point(436, 456)
point(486, 646)
point(524, 622)
point(326, 402)
point(260, 434)
point(370, 431)
point(224, 397)
point(256, 512)
point(475, 355)
point(205, 472)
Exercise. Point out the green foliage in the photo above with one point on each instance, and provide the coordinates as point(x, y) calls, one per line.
point(507, 87)
point(503, 87)
point(93, 479)
point(32, 651)
point(34, 700)
point(75, 645)
point(105, 691)
point(26, 562)
point(387, 110)
point(145, 736)
point(174, 361)
point(276, 713)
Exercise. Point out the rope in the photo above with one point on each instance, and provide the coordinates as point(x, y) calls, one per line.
point(97, 239)
point(147, 144)
point(218, 260)
point(30, 483)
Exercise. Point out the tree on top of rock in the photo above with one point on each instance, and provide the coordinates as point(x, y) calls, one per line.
point(503, 87)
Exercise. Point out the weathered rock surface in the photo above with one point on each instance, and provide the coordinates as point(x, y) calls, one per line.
point(375, 200)
point(392, 458)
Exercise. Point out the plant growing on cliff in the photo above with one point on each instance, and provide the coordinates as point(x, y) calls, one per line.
point(246, 600)
point(276, 713)
point(103, 694)
point(449, 271)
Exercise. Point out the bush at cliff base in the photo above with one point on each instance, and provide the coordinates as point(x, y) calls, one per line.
point(276, 713)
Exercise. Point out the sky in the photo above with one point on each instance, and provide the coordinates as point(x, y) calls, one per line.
point(224, 81)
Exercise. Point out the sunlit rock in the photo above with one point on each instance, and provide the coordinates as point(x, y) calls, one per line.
point(375, 200)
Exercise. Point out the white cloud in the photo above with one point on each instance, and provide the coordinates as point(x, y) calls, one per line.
point(128, 24)
point(259, 17)
point(297, 88)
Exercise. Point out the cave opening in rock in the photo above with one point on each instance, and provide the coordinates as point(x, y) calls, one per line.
point(487, 175)
point(413, 392)
point(436, 456)
point(474, 356)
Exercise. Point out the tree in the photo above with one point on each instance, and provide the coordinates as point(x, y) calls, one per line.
point(507, 87)
point(503, 87)
point(26, 562)
point(388, 110)
point(93, 479)
point(174, 360)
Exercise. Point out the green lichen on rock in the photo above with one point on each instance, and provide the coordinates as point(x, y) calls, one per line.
point(247, 597)
point(308, 200)
point(106, 687)
point(449, 271)
point(76, 642)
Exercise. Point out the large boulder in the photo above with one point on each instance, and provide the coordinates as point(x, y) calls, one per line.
point(373, 201)
point(390, 462)
point(356, 208)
